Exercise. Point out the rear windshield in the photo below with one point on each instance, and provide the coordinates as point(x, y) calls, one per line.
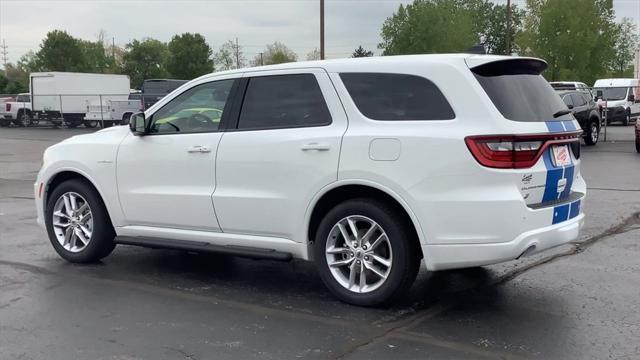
point(519, 92)
point(161, 87)
point(23, 98)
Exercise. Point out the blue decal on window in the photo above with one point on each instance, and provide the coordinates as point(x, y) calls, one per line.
point(569, 125)
point(555, 126)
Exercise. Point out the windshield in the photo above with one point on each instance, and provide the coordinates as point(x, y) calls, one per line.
point(612, 93)
point(23, 98)
point(161, 87)
point(519, 92)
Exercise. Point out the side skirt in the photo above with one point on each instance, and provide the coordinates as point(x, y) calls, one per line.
point(198, 246)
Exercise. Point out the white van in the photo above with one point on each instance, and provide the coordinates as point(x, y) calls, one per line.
point(622, 96)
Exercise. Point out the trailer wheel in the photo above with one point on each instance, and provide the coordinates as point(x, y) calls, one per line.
point(72, 121)
point(107, 123)
point(91, 124)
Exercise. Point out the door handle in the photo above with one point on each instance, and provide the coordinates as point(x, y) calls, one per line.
point(199, 149)
point(315, 146)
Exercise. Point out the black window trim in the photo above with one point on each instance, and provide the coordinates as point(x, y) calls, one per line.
point(234, 120)
point(225, 111)
point(453, 110)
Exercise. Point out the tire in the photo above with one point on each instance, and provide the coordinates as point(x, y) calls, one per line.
point(22, 119)
point(627, 118)
point(98, 243)
point(593, 133)
point(107, 123)
point(5, 122)
point(399, 248)
point(91, 124)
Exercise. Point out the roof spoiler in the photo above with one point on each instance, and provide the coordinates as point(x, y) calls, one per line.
point(506, 66)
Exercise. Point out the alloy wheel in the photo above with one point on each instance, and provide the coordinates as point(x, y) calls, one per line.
point(358, 253)
point(72, 222)
point(594, 133)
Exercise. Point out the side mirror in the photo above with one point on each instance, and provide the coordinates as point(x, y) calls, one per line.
point(631, 98)
point(138, 124)
point(570, 106)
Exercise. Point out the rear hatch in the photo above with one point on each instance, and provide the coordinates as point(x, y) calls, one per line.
point(540, 147)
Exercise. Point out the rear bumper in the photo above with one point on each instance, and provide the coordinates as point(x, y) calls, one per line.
point(452, 256)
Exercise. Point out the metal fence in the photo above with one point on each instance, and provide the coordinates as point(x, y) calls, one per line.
point(72, 110)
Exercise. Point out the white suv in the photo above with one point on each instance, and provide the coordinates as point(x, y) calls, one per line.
point(366, 166)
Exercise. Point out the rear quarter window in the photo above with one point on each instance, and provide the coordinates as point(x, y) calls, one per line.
point(396, 97)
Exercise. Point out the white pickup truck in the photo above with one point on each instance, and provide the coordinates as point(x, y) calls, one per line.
point(112, 112)
point(17, 111)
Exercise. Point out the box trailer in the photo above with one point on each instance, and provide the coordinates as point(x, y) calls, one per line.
point(64, 96)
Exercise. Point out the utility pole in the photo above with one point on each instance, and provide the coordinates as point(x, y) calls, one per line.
point(321, 29)
point(237, 55)
point(508, 27)
point(4, 53)
point(261, 59)
point(113, 49)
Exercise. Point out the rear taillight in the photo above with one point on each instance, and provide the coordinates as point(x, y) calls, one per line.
point(516, 151)
point(7, 107)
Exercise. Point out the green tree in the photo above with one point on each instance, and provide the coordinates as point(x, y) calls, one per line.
point(491, 25)
point(276, 53)
point(189, 56)
point(574, 37)
point(29, 62)
point(95, 58)
point(361, 52)
point(624, 47)
point(60, 51)
point(429, 26)
point(313, 55)
point(145, 59)
point(229, 56)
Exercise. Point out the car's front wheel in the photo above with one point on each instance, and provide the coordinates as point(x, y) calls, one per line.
point(366, 253)
point(78, 224)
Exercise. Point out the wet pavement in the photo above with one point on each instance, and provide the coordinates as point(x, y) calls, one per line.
point(578, 301)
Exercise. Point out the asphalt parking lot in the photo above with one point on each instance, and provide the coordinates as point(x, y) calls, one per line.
point(578, 301)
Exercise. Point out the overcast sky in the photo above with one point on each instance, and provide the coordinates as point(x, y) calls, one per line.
point(349, 23)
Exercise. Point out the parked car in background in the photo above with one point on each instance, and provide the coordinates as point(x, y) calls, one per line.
point(155, 89)
point(369, 167)
point(622, 98)
point(571, 85)
point(17, 111)
point(66, 95)
point(587, 113)
point(111, 112)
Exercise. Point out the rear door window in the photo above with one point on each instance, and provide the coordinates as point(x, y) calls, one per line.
point(394, 97)
point(283, 101)
point(567, 100)
point(518, 91)
point(578, 100)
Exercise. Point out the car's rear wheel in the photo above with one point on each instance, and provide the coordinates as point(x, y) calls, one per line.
point(23, 119)
point(78, 224)
point(593, 133)
point(365, 252)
